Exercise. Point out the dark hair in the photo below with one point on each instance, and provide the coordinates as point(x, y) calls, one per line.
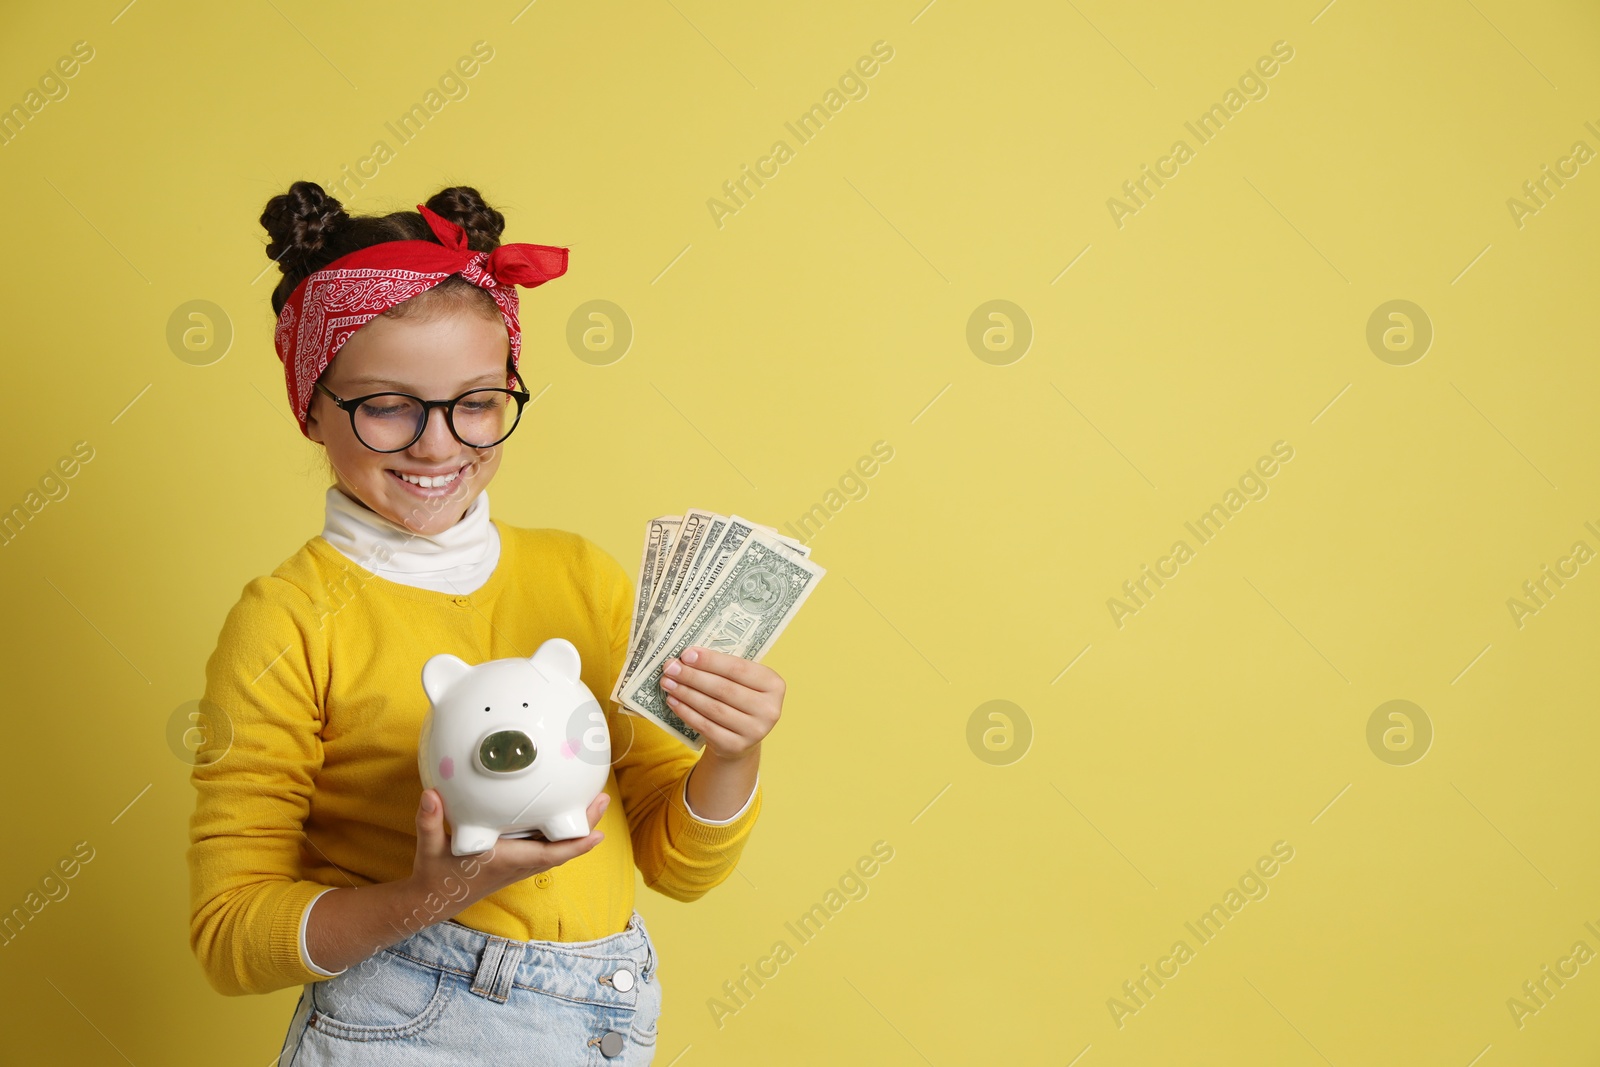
point(310, 229)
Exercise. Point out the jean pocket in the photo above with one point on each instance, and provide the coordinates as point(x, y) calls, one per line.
point(384, 998)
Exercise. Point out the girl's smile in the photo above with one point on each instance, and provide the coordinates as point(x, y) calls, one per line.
point(430, 484)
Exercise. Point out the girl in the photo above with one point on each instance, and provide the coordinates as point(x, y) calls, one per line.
point(316, 859)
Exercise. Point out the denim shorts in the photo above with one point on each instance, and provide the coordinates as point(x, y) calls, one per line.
point(450, 994)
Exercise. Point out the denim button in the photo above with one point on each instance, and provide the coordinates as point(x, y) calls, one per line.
point(611, 1044)
point(623, 980)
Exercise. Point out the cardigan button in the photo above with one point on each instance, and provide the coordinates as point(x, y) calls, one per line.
point(460, 601)
point(542, 880)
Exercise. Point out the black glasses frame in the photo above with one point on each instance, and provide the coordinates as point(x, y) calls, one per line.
point(350, 406)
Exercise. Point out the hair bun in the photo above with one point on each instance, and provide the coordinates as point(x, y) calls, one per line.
point(465, 206)
point(300, 223)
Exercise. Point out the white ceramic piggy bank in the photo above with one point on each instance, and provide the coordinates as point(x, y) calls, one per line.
point(513, 746)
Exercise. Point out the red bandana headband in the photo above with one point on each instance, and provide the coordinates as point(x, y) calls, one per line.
point(330, 305)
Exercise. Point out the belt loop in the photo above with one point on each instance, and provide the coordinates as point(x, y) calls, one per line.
point(637, 922)
point(496, 968)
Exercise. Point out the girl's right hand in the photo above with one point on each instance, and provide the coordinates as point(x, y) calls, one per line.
point(443, 884)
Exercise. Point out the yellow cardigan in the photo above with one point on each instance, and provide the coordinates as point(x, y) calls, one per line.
point(307, 777)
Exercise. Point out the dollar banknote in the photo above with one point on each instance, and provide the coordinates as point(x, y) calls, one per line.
point(713, 581)
point(691, 534)
point(658, 537)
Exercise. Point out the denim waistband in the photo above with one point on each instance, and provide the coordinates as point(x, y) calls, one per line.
point(582, 971)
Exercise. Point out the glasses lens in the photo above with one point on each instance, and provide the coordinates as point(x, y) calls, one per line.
point(388, 422)
point(484, 417)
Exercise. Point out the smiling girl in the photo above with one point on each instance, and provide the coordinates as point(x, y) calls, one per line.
point(316, 859)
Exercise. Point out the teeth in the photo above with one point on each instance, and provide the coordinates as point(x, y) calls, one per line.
point(430, 483)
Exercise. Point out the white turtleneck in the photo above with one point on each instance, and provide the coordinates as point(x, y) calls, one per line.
point(457, 560)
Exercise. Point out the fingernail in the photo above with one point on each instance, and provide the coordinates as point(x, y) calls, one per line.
point(428, 804)
point(691, 655)
point(673, 666)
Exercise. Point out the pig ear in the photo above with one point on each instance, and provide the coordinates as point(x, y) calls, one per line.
point(556, 659)
point(440, 673)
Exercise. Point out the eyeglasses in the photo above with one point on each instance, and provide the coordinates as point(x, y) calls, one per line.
point(393, 422)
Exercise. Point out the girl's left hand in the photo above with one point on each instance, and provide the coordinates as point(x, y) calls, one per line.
point(732, 702)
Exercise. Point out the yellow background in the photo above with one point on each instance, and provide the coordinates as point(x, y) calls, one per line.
point(770, 354)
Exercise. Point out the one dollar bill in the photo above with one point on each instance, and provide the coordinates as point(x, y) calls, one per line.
point(734, 590)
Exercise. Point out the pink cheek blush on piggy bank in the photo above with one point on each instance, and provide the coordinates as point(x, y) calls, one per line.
point(515, 747)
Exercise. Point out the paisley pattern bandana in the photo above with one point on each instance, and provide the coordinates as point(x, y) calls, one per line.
point(330, 305)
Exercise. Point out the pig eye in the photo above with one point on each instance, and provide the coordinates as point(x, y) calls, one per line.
point(506, 750)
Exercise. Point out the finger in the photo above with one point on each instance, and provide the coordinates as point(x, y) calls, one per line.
point(597, 808)
point(526, 856)
point(755, 675)
point(430, 824)
point(734, 694)
point(555, 853)
point(713, 731)
point(542, 855)
point(533, 851)
point(735, 720)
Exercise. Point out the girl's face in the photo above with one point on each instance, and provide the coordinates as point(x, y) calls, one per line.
point(436, 357)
